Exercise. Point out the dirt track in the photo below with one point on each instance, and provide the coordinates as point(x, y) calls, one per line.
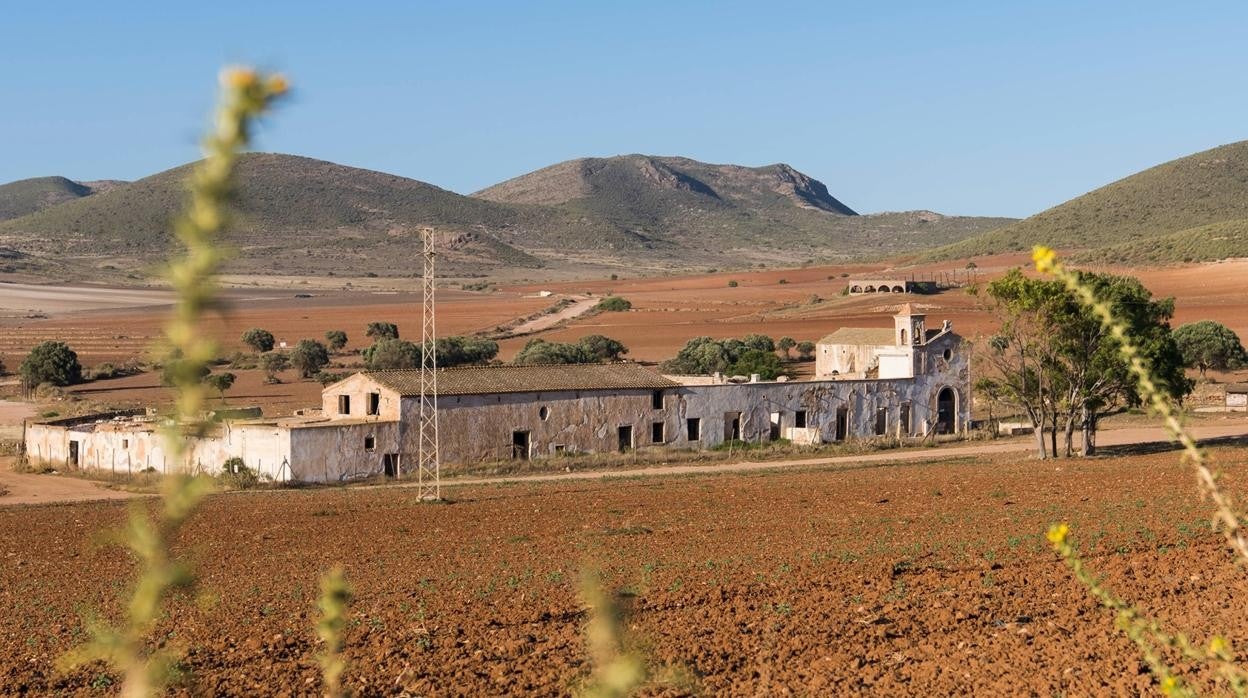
point(923, 579)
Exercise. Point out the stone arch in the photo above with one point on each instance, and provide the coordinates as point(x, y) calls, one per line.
point(899, 289)
point(855, 289)
point(869, 289)
point(883, 289)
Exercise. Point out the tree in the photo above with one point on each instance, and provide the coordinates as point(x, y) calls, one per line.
point(786, 345)
point(614, 304)
point(51, 362)
point(221, 382)
point(541, 352)
point(337, 339)
point(389, 353)
point(380, 330)
point(603, 348)
point(758, 342)
point(259, 340)
point(765, 363)
point(1054, 361)
point(309, 356)
point(174, 366)
point(462, 351)
point(806, 350)
point(1207, 344)
point(273, 364)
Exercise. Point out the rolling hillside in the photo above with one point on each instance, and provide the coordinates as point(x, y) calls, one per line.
point(28, 196)
point(1191, 209)
point(299, 216)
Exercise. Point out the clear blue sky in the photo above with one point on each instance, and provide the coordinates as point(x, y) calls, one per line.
point(991, 108)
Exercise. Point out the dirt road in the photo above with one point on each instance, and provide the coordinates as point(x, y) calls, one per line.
point(582, 305)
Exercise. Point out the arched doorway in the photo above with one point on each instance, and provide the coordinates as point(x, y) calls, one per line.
point(946, 411)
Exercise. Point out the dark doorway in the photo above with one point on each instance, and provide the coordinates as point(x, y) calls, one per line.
point(774, 434)
point(881, 421)
point(656, 433)
point(73, 454)
point(842, 423)
point(799, 419)
point(732, 426)
point(903, 418)
point(626, 438)
point(520, 445)
point(390, 464)
point(946, 411)
point(693, 429)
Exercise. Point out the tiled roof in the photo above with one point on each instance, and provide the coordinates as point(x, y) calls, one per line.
point(870, 336)
point(1237, 387)
point(489, 380)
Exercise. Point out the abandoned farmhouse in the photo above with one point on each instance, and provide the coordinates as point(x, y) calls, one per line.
point(908, 381)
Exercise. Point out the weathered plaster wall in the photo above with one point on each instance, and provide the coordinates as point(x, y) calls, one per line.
point(358, 387)
point(337, 452)
point(134, 447)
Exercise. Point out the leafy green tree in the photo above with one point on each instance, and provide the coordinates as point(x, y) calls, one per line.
point(336, 339)
point(542, 352)
point(758, 342)
point(614, 304)
point(51, 362)
point(259, 340)
point(169, 372)
point(381, 330)
point(1054, 361)
point(221, 382)
point(603, 348)
point(1207, 344)
point(274, 363)
point(389, 353)
point(765, 363)
point(806, 350)
point(309, 356)
point(463, 351)
point(786, 344)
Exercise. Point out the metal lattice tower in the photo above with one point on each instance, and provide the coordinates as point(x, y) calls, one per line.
point(428, 467)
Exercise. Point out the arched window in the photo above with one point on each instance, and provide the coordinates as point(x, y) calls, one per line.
point(903, 336)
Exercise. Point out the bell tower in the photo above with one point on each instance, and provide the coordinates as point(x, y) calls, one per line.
point(909, 327)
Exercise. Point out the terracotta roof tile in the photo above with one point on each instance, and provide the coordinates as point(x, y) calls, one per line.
point(489, 380)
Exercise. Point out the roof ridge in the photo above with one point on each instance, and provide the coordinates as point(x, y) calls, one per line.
point(478, 367)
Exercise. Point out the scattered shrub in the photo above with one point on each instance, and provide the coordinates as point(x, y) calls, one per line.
point(733, 284)
point(614, 304)
point(274, 363)
point(235, 475)
point(309, 356)
point(259, 340)
point(381, 330)
point(53, 363)
point(336, 339)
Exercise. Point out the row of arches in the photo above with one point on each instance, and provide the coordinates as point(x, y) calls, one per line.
point(882, 288)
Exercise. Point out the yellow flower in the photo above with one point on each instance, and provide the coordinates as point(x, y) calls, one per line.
point(1044, 257)
point(1169, 684)
point(238, 78)
point(1057, 533)
point(277, 85)
point(1218, 646)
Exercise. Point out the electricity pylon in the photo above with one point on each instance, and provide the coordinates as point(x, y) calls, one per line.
point(428, 468)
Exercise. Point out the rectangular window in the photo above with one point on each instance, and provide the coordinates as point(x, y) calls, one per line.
point(656, 433)
point(374, 403)
point(125, 443)
point(881, 421)
point(799, 419)
point(344, 404)
point(693, 429)
point(656, 399)
point(370, 442)
point(904, 419)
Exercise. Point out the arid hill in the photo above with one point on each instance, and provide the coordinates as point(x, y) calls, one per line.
point(299, 216)
point(26, 196)
point(1194, 208)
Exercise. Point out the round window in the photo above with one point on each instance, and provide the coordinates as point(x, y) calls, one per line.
point(544, 413)
point(948, 354)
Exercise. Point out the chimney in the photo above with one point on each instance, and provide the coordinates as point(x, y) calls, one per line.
point(754, 377)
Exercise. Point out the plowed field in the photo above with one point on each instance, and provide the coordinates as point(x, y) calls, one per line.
point(900, 579)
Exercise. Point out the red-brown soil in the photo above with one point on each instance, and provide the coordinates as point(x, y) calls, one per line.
point(910, 579)
point(666, 313)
